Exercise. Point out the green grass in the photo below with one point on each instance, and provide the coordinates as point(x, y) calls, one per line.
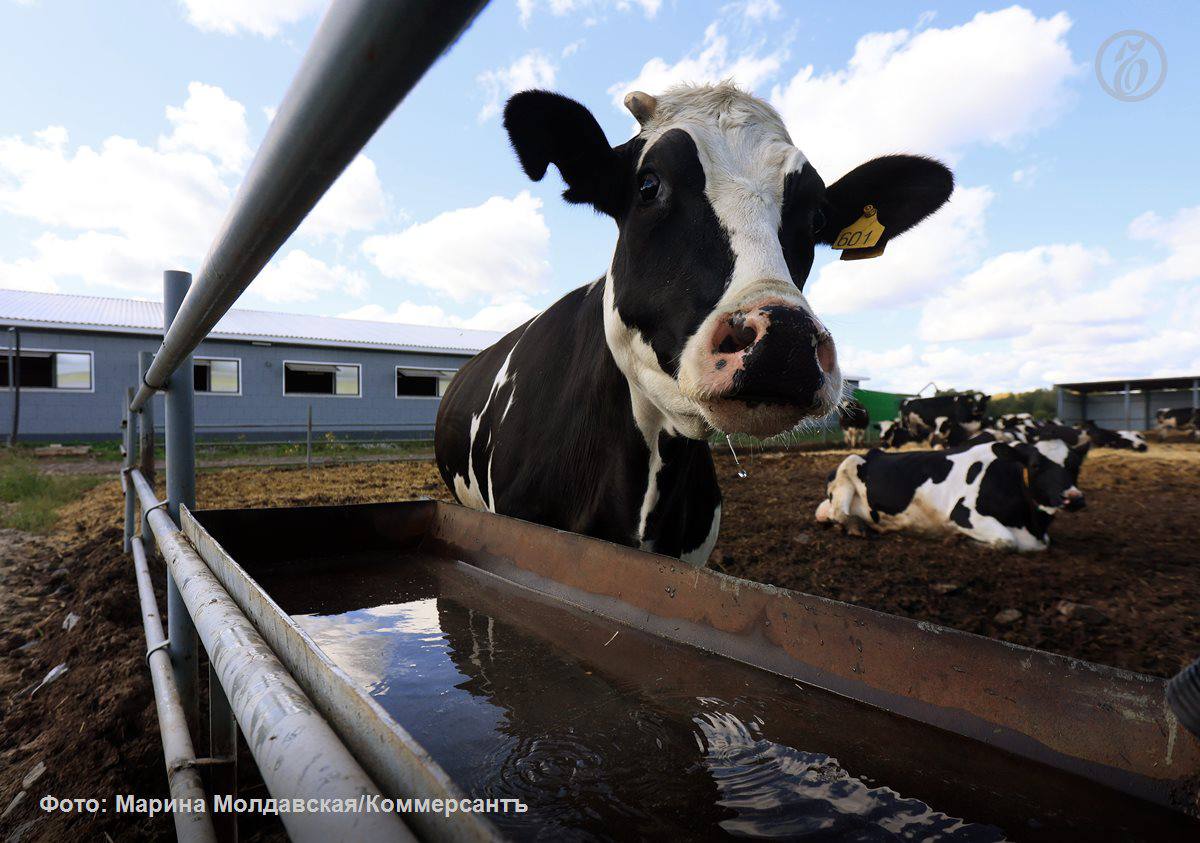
point(30, 500)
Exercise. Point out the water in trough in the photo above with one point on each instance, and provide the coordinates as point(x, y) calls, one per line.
point(606, 732)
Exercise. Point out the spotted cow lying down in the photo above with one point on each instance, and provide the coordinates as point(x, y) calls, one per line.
point(998, 494)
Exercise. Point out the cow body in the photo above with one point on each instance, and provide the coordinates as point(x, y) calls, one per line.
point(594, 416)
point(1000, 495)
point(1101, 437)
point(854, 420)
point(966, 408)
point(1178, 418)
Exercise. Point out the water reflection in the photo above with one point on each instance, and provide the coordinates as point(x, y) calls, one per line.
point(601, 742)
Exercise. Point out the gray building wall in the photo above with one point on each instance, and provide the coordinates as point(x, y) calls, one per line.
point(261, 411)
point(1109, 409)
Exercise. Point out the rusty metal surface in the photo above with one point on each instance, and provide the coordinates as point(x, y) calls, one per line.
point(389, 753)
point(1107, 725)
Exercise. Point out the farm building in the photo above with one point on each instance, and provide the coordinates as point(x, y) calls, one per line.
point(1125, 404)
point(256, 375)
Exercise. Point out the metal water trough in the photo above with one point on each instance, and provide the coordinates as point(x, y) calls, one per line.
point(1029, 726)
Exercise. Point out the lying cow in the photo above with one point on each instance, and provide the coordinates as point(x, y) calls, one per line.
point(893, 434)
point(948, 433)
point(1001, 495)
point(1179, 418)
point(595, 415)
point(1102, 437)
point(854, 420)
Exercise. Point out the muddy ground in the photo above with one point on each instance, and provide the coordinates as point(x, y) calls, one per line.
point(1131, 559)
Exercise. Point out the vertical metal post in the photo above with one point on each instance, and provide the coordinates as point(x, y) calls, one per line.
point(130, 444)
point(222, 743)
point(1128, 410)
point(145, 418)
point(14, 383)
point(1062, 402)
point(1146, 392)
point(1083, 413)
point(308, 440)
point(180, 423)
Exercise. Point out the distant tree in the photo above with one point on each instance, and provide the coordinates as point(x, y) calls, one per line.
point(1042, 403)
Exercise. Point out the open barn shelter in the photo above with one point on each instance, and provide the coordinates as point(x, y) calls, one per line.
point(1125, 403)
point(255, 376)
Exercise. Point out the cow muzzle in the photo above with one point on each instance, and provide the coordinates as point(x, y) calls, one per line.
point(1073, 500)
point(765, 367)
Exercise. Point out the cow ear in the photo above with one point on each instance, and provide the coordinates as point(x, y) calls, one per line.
point(547, 128)
point(904, 189)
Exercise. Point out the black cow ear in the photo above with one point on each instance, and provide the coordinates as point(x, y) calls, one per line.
point(903, 188)
point(547, 128)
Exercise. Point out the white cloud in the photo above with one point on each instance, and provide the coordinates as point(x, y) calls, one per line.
point(993, 80)
point(355, 202)
point(168, 201)
point(532, 70)
point(259, 17)
point(1025, 176)
point(496, 250)
point(298, 276)
point(559, 8)
point(915, 266)
point(495, 317)
point(712, 61)
point(212, 123)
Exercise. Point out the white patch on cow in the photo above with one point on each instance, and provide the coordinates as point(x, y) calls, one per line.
point(647, 381)
point(1054, 450)
point(1134, 439)
point(699, 556)
point(650, 496)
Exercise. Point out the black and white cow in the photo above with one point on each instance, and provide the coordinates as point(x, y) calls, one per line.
point(594, 416)
point(966, 408)
point(854, 420)
point(1001, 495)
point(948, 434)
point(1102, 437)
point(1178, 418)
point(893, 434)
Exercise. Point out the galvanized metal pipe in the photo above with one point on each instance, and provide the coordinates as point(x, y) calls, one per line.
point(127, 441)
point(180, 438)
point(364, 59)
point(183, 777)
point(297, 752)
point(145, 418)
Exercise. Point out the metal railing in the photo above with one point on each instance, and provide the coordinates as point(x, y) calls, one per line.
point(364, 58)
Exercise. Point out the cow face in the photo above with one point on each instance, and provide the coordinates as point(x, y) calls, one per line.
point(1051, 485)
point(718, 217)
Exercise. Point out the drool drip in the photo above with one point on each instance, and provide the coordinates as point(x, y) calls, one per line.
point(741, 472)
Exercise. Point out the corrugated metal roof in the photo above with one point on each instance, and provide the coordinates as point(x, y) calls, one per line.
point(96, 313)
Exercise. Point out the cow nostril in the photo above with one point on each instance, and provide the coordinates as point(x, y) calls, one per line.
point(736, 336)
point(826, 353)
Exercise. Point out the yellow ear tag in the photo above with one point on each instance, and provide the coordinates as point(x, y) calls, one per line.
point(861, 239)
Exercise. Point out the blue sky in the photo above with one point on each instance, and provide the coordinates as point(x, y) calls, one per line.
point(1071, 249)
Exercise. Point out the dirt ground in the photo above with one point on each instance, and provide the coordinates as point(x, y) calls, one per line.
point(94, 727)
point(1131, 560)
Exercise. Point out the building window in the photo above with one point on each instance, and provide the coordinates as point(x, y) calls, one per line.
point(221, 376)
point(419, 382)
point(70, 371)
point(321, 379)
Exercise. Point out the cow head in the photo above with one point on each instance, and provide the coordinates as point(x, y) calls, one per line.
point(1050, 484)
point(718, 216)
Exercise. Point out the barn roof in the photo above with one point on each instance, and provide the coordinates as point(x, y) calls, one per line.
point(132, 316)
point(1133, 384)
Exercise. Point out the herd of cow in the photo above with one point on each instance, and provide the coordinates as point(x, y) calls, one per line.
point(999, 481)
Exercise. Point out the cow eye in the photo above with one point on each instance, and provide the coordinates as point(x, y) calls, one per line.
point(818, 220)
point(649, 189)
